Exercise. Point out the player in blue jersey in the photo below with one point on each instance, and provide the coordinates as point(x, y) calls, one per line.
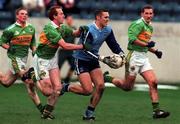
point(88, 68)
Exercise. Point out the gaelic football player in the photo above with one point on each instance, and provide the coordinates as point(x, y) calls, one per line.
point(88, 68)
point(45, 59)
point(139, 35)
point(17, 39)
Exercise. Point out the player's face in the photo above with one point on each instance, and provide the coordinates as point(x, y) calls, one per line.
point(22, 16)
point(147, 15)
point(69, 20)
point(60, 16)
point(104, 19)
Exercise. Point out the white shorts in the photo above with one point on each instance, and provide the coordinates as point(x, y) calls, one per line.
point(17, 64)
point(138, 63)
point(42, 66)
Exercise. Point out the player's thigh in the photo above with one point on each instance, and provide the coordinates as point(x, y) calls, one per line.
point(17, 65)
point(85, 81)
point(83, 69)
point(150, 77)
point(45, 86)
point(55, 78)
point(133, 64)
point(97, 77)
point(42, 67)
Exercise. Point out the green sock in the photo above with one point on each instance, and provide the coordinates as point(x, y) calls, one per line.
point(107, 77)
point(155, 106)
point(49, 108)
point(40, 107)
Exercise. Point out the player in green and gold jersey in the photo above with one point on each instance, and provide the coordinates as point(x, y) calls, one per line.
point(45, 59)
point(17, 39)
point(139, 35)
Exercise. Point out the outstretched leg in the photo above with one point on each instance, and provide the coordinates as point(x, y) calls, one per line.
point(97, 78)
point(33, 94)
point(151, 79)
point(126, 84)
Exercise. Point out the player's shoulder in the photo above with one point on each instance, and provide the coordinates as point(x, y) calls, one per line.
point(49, 27)
point(108, 27)
point(64, 26)
point(12, 26)
point(138, 22)
point(91, 25)
point(30, 25)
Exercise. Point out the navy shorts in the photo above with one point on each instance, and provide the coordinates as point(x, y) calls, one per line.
point(82, 66)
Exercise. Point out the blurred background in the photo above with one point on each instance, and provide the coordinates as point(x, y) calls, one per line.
point(165, 10)
point(122, 12)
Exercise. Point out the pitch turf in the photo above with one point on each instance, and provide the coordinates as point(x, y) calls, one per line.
point(116, 107)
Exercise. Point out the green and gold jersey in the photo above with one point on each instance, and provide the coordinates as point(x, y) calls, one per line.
point(49, 38)
point(141, 31)
point(19, 38)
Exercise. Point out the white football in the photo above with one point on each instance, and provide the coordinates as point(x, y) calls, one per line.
point(117, 60)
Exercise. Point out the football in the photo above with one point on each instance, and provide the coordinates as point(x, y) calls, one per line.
point(117, 60)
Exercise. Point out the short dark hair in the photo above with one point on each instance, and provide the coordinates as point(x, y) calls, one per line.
point(99, 12)
point(19, 9)
point(146, 7)
point(53, 11)
point(68, 15)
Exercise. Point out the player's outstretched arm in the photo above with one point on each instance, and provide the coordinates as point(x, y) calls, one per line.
point(157, 52)
point(69, 46)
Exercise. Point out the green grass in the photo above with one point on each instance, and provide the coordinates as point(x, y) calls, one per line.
point(116, 107)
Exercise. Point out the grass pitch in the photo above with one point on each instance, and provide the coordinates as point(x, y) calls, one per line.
point(116, 107)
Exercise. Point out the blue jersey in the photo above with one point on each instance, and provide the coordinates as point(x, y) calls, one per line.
point(98, 38)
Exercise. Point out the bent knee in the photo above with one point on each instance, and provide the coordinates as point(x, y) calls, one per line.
point(100, 87)
point(57, 91)
point(47, 91)
point(127, 88)
point(152, 83)
point(6, 85)
point(88, 92)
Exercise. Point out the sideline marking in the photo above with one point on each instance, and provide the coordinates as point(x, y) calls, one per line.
point(145, 87)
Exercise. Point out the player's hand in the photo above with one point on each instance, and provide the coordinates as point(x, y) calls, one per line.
point(123, 57)
point(158, 54)
point(87, 46)
point(108, 60)
point(150, 44)
point(84, 29)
